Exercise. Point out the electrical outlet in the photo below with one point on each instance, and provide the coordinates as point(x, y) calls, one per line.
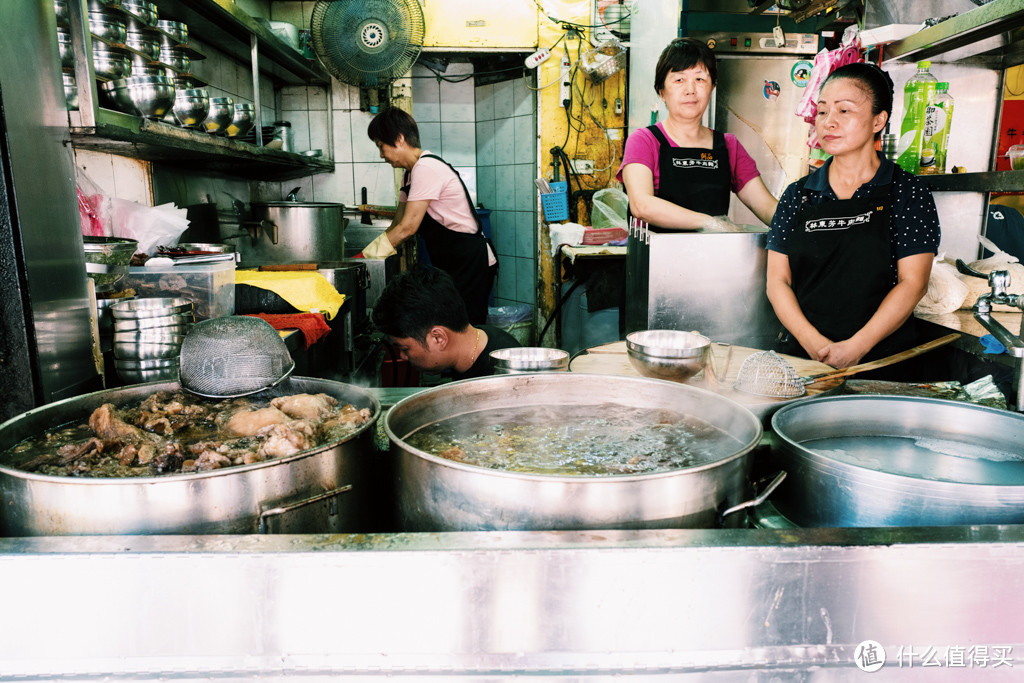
point(583, 166)
point(565, 90)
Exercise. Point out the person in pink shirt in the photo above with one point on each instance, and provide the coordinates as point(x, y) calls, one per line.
point(434, 203)
point(678, 173)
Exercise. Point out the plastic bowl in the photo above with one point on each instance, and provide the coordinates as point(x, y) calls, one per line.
point(667, 354)
point(529, 359)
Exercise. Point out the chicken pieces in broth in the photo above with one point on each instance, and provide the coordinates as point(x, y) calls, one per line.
point(173, 432)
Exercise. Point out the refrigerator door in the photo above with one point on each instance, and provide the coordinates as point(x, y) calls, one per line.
point(755, 100)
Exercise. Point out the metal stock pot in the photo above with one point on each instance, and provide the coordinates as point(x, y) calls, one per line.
point(322, 490)
point(293, 232)
point(437, 494)
point(871, 461)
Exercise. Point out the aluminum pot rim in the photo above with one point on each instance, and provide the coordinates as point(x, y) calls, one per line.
point(158, 385)
point(298, 205)
point(875, 478)
point(603, 480)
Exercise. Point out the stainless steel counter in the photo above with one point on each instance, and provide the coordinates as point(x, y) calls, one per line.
point(758, 604)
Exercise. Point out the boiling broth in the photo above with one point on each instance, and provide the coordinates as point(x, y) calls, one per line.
point(576, 440)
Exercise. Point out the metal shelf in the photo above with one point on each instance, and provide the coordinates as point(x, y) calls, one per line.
point(989, 181)
point(223, 24)
point(978, 24)
point(138, 138)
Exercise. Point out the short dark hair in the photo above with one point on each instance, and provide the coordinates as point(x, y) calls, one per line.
point(416, 301)
point(682, 54)
point(871, 79)
point(392, 122)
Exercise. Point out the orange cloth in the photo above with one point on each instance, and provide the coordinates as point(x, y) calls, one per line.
point(312, 325)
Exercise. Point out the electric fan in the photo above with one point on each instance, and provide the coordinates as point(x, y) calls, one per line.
point(367, 43)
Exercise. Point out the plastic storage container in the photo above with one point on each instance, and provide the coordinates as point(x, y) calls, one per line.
point(210, 286)
point(556, 204)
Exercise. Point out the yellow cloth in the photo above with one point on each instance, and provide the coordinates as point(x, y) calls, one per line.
point(380, 247)
point(306, 291)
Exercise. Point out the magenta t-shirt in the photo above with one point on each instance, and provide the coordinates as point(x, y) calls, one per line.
point(642, 148)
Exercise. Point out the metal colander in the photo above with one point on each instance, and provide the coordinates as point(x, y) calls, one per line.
point(233, 356)
point(766, 373)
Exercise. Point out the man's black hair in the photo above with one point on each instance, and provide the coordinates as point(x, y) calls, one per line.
point(416, 301)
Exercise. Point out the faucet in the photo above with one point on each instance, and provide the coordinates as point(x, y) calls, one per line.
point(293, 194)
point(999, 281)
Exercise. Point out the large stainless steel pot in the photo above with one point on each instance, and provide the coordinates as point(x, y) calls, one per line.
point(436, 494)
point(293, 232)
point(869, 461)
point(324, 490)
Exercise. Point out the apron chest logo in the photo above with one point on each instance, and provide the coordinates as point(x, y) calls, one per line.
point(695, 163)
point(837, 223)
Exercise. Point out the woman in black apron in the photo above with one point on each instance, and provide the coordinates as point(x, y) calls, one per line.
point(851, 245)
point(465, 255)
point(679, 174)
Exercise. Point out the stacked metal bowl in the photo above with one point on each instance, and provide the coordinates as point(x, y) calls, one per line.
point(147, 337)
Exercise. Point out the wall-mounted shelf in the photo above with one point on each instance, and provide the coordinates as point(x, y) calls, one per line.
point(223, 24)
point(131, 136)
point(989, 181)
point(971, 27)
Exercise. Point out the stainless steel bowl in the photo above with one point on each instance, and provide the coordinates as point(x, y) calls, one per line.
point(106, 28)
point(70, 91)
point(146, 12)
point(191, 107)
point(181, 321)
point(667, 354)
point(137, 376)
point(145, 44)
point(111, 63)
point(153, 96)
point(529, 359)
point(154, 335)
point(60, 7)
point(151, 364)
point(150, 307)
point(111, 253)
point(216, 247)
point(102, 5)
point(145, 350)
point(67, 53)
point(243, 120)
point(222, 111)
point(174, 57)
point(177, 30)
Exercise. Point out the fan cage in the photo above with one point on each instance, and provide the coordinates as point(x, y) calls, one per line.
point(345, 38)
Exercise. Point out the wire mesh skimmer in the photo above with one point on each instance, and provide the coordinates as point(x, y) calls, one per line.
point(233, 356)
point(766, 373)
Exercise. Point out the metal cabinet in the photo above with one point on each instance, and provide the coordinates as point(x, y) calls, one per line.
point(236, 34)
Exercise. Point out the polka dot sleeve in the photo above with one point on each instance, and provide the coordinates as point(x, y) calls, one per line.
point(784, 220)
point(915, 218)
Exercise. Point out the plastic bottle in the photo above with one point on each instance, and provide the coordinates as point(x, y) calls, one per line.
point(935, 138)
point(916, 95)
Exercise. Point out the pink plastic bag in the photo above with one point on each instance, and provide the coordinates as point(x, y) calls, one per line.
point(92, 225)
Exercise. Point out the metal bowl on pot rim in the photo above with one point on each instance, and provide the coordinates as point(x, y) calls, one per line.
point(529, 359)
point(435, 493)
point(667, 354)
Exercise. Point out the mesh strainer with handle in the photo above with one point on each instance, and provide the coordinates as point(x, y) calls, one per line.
point(233, 356)
point(766, 373)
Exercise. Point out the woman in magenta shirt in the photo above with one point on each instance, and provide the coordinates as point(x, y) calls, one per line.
point(678, 173)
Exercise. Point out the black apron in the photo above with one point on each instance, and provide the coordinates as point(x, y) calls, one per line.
point(840, 260)
point(462, 255)
point(694, 178)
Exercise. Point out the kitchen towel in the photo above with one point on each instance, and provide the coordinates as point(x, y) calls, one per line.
point(304, 290)
point(312, 325)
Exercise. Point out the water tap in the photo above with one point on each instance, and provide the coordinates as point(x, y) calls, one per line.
point(999, 283)
point(293, 194)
